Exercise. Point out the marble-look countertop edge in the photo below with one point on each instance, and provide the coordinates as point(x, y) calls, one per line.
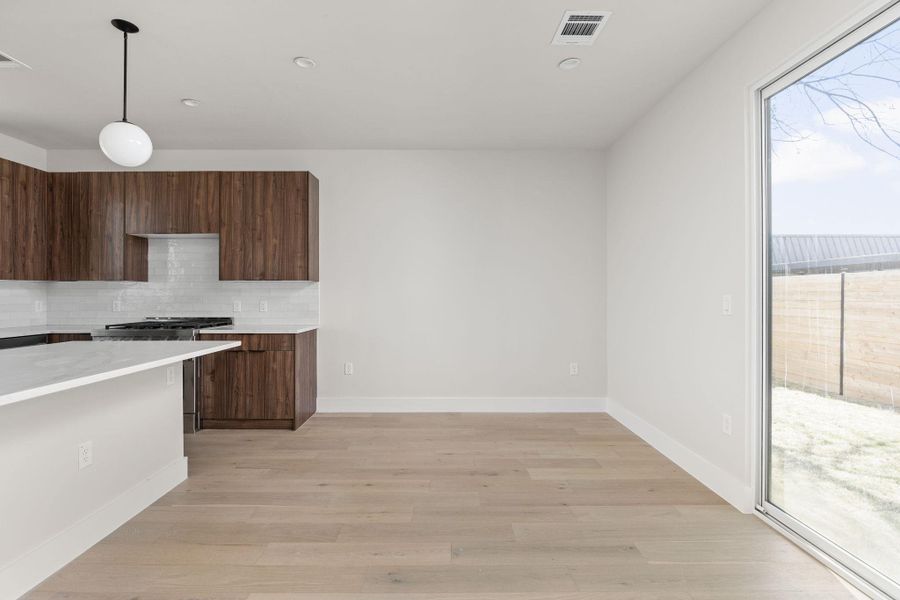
point(26, 330)
point(258, 329)
point(178, 354)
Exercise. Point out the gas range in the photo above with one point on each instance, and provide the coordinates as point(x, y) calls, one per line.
point(160, 328)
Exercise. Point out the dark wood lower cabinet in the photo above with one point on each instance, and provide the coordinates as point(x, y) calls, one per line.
point(267, 383)
point(55, 338)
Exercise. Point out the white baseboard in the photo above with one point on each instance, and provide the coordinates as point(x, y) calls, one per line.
point(730, 488)
point(465, 404)
point(29, 570)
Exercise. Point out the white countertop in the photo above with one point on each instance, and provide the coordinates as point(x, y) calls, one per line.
point(260, 329)
point(35, 371)
point(11, 332)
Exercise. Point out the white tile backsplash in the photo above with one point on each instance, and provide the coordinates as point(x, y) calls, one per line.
point(183, 281)
point(17, 303)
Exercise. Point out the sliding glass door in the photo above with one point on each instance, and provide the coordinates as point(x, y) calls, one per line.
point(832, 411)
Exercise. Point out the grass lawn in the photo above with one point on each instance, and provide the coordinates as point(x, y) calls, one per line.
point(836, 467)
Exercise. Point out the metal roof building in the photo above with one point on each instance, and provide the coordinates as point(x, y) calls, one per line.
point(800, 254)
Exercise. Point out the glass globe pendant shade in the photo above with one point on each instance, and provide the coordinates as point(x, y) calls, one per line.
point(125, 144)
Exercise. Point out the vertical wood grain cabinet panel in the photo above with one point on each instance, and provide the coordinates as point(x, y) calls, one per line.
point(279, 377)
point(213, 394)
point(86, 217)
point(7, 221)
point(172, 202)
point(266, 228)
point(266, 383)
point(305, 377)
point(57, 338)
point(23, 222)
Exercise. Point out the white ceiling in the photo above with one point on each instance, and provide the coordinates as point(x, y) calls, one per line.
point(392, 73)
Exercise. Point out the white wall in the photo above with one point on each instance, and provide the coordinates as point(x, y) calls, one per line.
point(22, 152)
point(677, 241)
point(50, 511)
point(183, 280)
point(464, 280)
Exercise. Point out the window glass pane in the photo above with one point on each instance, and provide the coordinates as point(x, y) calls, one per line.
point(834, 430)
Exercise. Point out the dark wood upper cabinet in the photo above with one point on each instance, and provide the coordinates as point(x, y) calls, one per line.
point(269, 226)
point(89, 225)
point(87, 240)
point(173, 202)
point(23, 222)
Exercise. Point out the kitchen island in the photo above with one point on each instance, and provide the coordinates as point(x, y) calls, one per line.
point(90, 435)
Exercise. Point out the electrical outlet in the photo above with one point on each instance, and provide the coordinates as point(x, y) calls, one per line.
point(170, 375)
point(726, 423)
point(237, 306)
point(117, 306)
point(573, 369)
point(85, 455)
point(263, 306)
point(727, 305)
point(348, 368)
point(38, 306)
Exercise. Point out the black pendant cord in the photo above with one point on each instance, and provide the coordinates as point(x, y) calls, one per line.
point(125, 81)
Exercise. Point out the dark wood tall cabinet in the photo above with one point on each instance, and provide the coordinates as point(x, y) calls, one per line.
point(87, 239)
point(172, 202)
point(269, 226)
point(23, 222)
point(268, 382)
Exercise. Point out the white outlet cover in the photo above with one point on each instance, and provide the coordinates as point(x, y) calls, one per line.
point(170, 375)
point(237, 306)
point(726, 424)
point(263, 306)
point(727, 305)
point(348, 368)
point(85, 455)
point(38, 306)
point(117, 306)
point(573, 368)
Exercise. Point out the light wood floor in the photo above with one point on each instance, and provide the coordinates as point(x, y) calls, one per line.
point(446, 507)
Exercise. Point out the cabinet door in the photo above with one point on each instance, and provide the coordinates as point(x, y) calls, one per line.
point(262, 384)
point(23, 222)
point(279, 383)
point(86, 217)
point(214, 387)
point(264, 231)
point(172, 202)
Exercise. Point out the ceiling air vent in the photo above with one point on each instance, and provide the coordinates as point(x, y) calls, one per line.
point(580, 27)
point(8, 62)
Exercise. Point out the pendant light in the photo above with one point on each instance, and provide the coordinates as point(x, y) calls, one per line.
point(122, 142)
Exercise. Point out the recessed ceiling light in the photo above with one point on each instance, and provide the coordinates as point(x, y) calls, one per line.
point(568, 64)
point(304, 62)
point(190, 102)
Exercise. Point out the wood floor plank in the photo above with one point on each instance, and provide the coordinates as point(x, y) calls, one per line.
point(439, 507)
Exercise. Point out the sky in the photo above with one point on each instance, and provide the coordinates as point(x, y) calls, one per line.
point(826, 178)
